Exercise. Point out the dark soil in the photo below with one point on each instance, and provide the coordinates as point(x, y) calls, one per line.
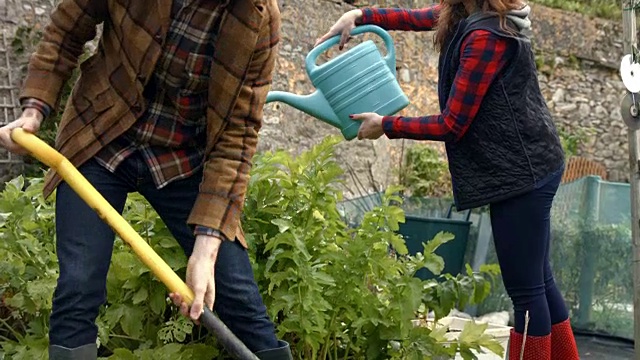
point(602, 348)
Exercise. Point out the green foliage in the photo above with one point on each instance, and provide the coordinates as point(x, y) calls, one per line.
point(136, 316)
point(591, 260)
point(572, 139)
point(602, 253)
point(25, 40)
point(607, 9)
point(27, 267)
point(334, 292)
point(424, 172)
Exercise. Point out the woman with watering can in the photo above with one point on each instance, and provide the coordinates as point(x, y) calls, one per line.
point(502, 146)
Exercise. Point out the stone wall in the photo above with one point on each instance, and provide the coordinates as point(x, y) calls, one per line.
point(585, 94)
point(589, 98)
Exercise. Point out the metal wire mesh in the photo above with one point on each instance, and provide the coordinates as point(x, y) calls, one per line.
point(8, 96)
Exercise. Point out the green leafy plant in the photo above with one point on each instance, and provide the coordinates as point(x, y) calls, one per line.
point(337, 292)
point(424, 172)
point(25, 39)
point(591, 266)
point(136, 318)
point(572, 139)
point(590, 262)
point(598, 8)
point(333, 291)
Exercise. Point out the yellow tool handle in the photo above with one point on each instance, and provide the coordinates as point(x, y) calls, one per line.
point(49, 156)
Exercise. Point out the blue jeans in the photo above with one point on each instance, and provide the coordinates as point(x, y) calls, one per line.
point(85, 243)
point(522, 236)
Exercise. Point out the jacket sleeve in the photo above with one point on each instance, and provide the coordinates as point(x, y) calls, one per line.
point(424, 19)
point(73, 23)
point(226, 173)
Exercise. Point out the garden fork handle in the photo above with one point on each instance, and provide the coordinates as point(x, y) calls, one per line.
point(49, 156)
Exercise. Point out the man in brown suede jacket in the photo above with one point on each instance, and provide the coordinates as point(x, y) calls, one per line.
point(170, 107)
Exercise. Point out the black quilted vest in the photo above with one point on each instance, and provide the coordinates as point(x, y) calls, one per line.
point(512, 143)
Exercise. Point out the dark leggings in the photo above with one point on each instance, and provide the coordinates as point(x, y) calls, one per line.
point(521, 232)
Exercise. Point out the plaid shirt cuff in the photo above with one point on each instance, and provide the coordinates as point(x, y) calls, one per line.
point(367, 15)
point(388, 128)
point(203, 230)
point(39, 105)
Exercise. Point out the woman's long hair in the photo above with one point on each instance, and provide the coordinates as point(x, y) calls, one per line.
point(451, 15)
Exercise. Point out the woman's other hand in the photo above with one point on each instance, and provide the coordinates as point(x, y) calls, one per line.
point(342, 27)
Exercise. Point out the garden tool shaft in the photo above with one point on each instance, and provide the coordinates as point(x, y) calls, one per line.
point(49, 156)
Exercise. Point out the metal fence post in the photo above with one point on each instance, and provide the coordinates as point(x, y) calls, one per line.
point(630, 111)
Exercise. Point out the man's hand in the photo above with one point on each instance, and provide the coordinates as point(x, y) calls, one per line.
point(200, 277)
point(29, 120)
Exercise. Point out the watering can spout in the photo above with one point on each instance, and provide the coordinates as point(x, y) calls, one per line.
point(314, 104)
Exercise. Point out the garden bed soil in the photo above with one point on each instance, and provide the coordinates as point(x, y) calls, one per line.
point(602, 348)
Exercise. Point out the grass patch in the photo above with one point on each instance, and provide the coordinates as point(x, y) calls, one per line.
point(606, 9)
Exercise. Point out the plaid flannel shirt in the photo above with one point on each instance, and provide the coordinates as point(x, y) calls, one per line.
point(171, 134)
point(482, 56)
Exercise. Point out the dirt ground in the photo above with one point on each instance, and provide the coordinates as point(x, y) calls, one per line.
point(597, 348)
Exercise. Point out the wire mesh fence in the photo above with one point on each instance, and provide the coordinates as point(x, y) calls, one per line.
point(10, 164)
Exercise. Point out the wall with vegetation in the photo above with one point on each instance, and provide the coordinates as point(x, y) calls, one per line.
point(577, 55)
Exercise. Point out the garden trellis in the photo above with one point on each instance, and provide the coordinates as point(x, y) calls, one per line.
point(8, 97)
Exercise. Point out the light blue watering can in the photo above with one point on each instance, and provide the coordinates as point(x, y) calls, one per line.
point(356, 81)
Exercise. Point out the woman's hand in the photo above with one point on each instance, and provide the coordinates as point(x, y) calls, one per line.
point(371, 127)
point(343, 27)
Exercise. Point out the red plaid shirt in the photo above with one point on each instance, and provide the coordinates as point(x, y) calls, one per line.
point(171, 134)
point(482, 56)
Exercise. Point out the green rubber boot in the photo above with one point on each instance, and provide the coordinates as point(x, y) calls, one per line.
point(283, 352)
point(85, 352)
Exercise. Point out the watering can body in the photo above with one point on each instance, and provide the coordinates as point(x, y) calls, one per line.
point(356, 81)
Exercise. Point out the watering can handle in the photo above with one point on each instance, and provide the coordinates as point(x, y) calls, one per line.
point(390, 59)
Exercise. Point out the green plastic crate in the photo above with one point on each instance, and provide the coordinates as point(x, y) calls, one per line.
point(416, 230)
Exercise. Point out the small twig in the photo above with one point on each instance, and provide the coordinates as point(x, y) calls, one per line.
point(357, 181)
point(524, 336)
point(125, 337)
point(372, 179)
point(360, 190)
point(11, 329)
point(401, 165)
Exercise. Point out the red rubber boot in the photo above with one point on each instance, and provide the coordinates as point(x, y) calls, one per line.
point(563, 344)
point(535, 348)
